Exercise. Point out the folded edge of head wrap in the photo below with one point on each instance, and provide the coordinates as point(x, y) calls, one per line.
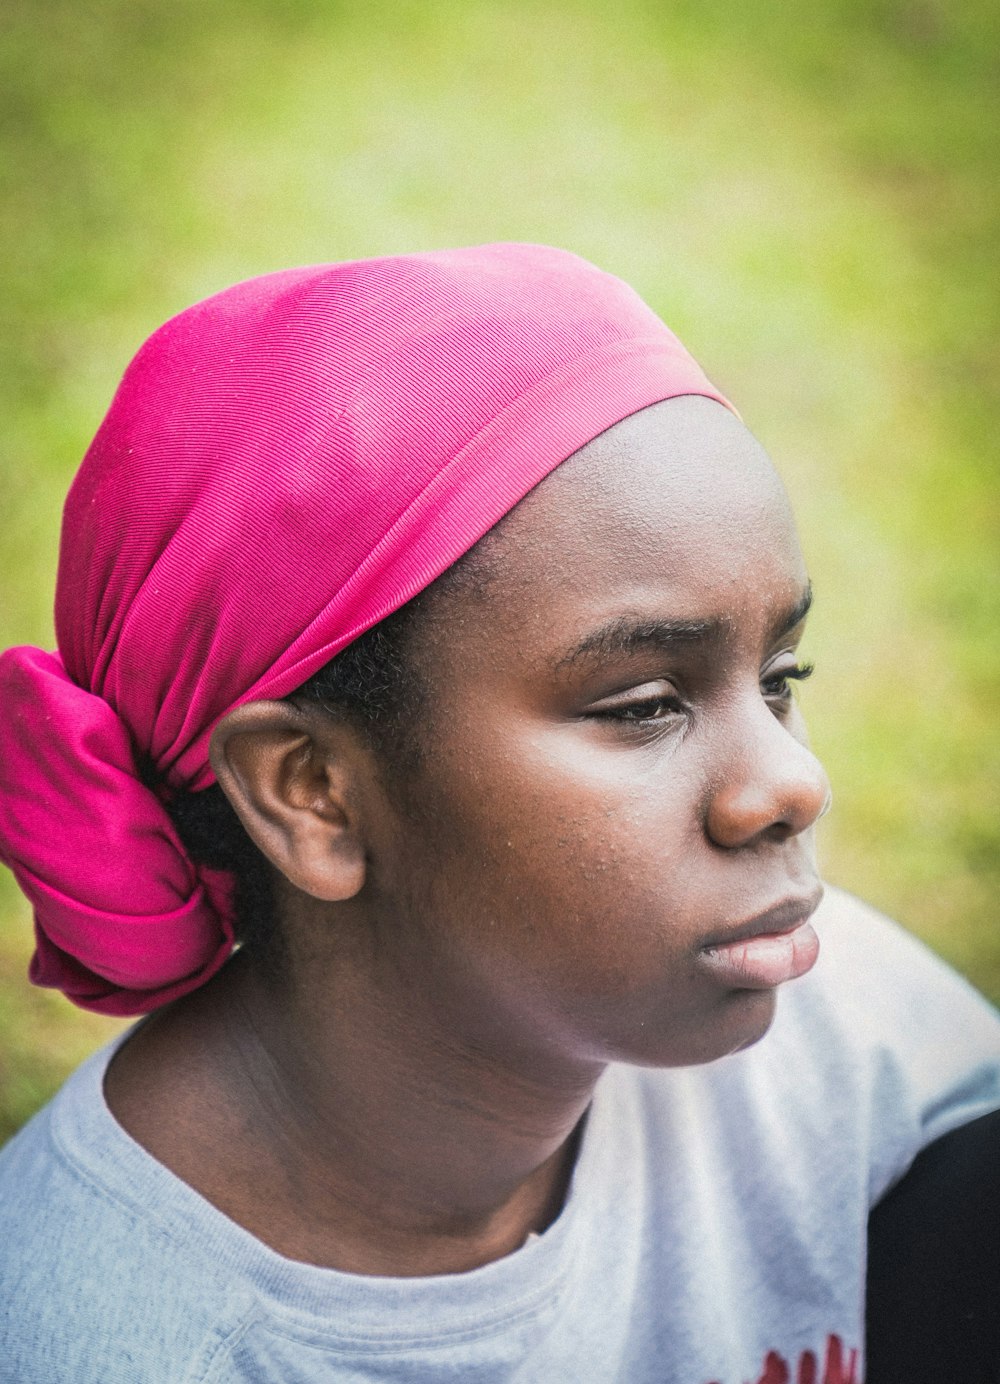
point(282, 466)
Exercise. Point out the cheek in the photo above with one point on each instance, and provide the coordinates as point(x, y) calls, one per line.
point(566, 866)
point(563, 910)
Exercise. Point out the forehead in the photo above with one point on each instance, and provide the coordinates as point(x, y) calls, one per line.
point(676, 512)
point(680, 483)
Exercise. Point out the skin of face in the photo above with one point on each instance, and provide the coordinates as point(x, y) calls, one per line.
point(606, 778)
point(613, 775)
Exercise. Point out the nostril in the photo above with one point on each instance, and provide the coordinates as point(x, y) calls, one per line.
point(773, 796)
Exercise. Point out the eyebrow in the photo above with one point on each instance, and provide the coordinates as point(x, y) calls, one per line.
point(627, 635)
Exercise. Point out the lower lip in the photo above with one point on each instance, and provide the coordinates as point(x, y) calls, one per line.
point(760, 963)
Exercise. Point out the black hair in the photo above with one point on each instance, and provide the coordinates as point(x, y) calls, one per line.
point(374, 683)
point(371, 684)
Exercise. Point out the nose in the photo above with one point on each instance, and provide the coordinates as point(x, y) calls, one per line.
point(770, 787)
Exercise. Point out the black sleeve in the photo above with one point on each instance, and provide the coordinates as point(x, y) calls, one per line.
point(933, 1311)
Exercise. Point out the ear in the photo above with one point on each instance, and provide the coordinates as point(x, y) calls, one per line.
point(293, 778)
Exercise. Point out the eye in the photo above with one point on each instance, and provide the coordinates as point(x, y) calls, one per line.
point(640, 705)
point(775, 684)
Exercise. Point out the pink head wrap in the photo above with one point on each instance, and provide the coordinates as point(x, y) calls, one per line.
point(282, 466)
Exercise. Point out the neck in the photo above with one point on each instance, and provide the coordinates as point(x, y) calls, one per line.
point(342, 1124)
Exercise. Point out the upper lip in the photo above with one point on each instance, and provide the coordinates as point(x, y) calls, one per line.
point(784, 916)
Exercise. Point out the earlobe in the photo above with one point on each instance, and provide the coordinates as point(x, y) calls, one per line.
point(292, 779)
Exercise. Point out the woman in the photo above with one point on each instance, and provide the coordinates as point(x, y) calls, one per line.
point(428, 626)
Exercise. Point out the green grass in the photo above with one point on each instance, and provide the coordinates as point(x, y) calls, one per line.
point(812, 206)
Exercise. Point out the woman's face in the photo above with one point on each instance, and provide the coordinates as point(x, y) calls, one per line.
point(614, 791)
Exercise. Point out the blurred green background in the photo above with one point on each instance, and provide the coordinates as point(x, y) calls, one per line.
point(812, 204)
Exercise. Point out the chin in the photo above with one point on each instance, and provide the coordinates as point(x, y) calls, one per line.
point(741, 1021)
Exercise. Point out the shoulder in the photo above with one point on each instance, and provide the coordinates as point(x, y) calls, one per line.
point(86, 1248)
point(858, 939)
point(881, 1049)
point(923, 1044)
point(884, 991)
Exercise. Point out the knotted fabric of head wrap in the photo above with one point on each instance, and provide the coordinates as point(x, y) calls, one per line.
point(282, 466)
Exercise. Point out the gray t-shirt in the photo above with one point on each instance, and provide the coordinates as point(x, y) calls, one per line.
point(714, 1229)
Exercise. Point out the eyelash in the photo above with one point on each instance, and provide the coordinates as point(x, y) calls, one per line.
point(782, 692)
point(632, 711)
point(775, 688)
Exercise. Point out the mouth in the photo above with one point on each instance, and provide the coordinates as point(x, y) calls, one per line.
point(774, 946)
